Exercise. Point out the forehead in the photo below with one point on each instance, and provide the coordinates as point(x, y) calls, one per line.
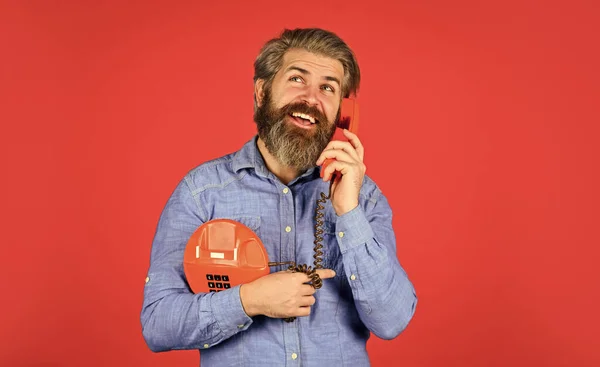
point(314, 63)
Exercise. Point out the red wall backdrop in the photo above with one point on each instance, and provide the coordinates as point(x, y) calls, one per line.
point(480, 121)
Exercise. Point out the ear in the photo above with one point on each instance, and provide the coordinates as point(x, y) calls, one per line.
point(259, 92)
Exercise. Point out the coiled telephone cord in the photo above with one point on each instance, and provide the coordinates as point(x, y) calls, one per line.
point(310, 271)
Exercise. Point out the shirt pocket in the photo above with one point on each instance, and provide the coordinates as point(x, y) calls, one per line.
point(250, 221)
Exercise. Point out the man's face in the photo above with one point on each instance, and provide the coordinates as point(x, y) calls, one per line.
point(296, 115)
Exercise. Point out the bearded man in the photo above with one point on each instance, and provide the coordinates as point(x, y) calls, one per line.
point(272, 185)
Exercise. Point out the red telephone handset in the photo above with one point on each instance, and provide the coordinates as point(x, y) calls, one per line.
point(348, 120)
point(221, 254)
point(348, 117)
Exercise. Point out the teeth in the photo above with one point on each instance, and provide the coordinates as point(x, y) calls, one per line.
point(304, 116)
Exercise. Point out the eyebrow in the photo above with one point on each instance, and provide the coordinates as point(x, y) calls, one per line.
point(305, 72)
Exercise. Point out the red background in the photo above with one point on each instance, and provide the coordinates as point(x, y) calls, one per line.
point(480, 121)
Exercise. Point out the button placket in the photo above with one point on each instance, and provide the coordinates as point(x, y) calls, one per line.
point(288, 253)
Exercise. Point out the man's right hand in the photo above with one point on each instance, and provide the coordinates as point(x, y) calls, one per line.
point(280, 295)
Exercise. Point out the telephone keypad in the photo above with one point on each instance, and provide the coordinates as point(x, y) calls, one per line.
point(218, 282)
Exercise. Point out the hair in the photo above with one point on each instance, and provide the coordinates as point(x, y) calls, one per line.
point(315, 40)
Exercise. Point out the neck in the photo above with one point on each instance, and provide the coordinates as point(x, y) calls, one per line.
point(285, 174)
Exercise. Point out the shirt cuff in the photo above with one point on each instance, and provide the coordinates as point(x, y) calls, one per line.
point(229, 312)
point(352, 229)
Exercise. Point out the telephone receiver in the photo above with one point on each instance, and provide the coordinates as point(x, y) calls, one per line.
point(348, 120)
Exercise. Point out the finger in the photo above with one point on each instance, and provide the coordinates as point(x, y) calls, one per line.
point(300, 277)
point(337, 146)
point(338, 154)
point(325, 273)
point(342, 145)
point(307, 289)
point(307, 301)
point(341, 167)
point(356, 143)
point(303, 311)
point(336, 181)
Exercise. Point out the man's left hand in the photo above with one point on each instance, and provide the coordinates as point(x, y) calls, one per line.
point(348, 162)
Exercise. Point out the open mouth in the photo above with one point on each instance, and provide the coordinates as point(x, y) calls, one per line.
point(303, 119)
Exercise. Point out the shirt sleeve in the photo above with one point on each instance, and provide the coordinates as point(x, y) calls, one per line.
point(383, 294)
point(172, 316)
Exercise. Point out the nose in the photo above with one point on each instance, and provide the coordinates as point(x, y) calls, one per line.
point(311, 96)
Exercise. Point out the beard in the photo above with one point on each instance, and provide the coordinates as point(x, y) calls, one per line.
point(291, 145)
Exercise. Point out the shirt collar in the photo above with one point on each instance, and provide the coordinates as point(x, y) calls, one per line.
point(249, 157)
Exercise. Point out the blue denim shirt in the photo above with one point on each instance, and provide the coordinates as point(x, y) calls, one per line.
point(370, 292)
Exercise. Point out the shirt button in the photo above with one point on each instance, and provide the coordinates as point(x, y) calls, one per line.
point(286, 190)
point(341, 234)
point(147, 279)
point(294, 356)
point(353, 277)
point(288, 229)
point(205, 345)
point(240, 326)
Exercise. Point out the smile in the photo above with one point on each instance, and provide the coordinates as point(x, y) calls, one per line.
point(304, 117)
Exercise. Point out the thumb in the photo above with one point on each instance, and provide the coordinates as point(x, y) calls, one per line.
point(325, 273)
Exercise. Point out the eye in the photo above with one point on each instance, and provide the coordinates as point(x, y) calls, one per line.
point(296, 79)
point(328, 88)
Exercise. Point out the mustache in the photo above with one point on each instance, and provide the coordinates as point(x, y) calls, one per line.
point(305, 109)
